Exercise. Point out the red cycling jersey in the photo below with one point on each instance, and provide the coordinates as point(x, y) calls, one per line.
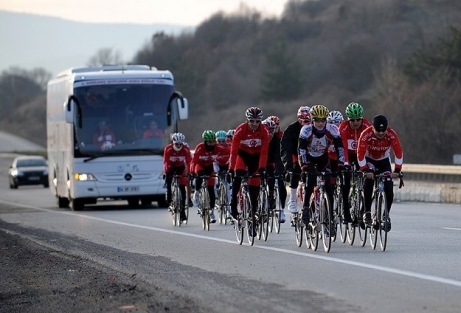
point(204, 157)
point(350, 137)
point(223, 159)
point(173, 158)
point(378, 149)
point(250, 141)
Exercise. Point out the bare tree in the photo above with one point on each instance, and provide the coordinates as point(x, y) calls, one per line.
point(106, 56)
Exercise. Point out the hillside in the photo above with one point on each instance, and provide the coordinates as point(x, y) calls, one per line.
point(330, 52)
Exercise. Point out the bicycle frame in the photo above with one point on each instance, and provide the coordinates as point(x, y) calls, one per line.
point(356, 200)
point(321, 222)
point(263, 210)
point(380, 216)
point(222, 200)
point(204, 202)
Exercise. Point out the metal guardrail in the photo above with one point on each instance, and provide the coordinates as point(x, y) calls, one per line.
point(432, 173)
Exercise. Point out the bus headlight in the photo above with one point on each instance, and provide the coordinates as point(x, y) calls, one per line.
point(84, 176)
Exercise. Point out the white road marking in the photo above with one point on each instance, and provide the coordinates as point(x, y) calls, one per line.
point(304, 254)
point(452, 228)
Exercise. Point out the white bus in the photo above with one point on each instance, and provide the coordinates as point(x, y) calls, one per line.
point(97, 121)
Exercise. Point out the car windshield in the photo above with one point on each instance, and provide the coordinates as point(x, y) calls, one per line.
point(30, 163)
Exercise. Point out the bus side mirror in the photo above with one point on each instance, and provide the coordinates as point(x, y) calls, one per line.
point(69, 108)
point(183, 108)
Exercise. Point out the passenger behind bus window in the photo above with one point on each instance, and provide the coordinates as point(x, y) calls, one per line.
point(153, 131)
point(104, 137)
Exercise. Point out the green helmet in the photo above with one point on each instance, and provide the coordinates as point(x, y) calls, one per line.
point(209, 135)
point(354, 110)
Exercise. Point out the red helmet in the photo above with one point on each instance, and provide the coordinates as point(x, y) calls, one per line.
point(303, 113)
point(275, 119)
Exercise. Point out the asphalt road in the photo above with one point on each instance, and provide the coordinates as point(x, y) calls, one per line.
point(419, 271)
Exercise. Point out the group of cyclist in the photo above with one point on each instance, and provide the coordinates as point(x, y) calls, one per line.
point(318, 141)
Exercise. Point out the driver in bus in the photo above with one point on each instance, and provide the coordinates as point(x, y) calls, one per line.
point(153, 131)
point(104, 137)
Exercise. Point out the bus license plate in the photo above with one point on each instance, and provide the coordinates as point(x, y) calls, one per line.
point(128, 189)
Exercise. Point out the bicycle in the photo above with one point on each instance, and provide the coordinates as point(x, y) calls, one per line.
point(175, 206)
point(380, 217)
point(245, 216)
point(321, 222)
point(262, 220)
point(296, 217)
point(357, 202)
point(222, 200)
point(274, 215)
point(338, 206)
point(204, 202)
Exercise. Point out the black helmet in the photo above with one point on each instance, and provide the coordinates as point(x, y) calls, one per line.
point(380, 123)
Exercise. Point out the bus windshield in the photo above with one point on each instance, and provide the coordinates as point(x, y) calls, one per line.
point(124, 118)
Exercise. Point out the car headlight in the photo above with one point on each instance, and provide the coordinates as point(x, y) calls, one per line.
point(84, 176)
point(45, 172)
point(16, 173)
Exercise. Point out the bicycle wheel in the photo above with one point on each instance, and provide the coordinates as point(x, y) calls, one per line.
point(375, 223)
point(264, 215)
point(219, 204)
point(384, 220)
point(350, 233)
point(250, 221)
point(326, 223)
point(273, 213)
point(298, 229)
point(355, 212)
point(205, 201)
point(207, 219)
point(240, 223)
point(313, 228)
point(175, 197)
point(307, 233)
point(186, 212)
point(338, 214)
point(362, 232)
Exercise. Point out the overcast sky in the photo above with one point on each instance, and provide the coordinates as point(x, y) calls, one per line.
point(179, 12)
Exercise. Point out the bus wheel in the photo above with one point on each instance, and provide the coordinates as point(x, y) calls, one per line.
point(134, 202)
point(162, 203)
point(76, 204)
point(146, 202)
point(62, 202)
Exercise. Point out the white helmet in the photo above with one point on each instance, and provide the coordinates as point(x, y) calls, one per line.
point(178, 141)
point(335, 117)
point(270, 123)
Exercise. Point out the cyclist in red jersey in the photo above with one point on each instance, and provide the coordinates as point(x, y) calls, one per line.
point(314, 141)
point(222, 160)
point(289, 154)
point(274, 165)
point(276, 120)
point(373, 152)
point(249, 152)
point(350, 130)
point(279, 170)
point(176, 160)
point(205, 155)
